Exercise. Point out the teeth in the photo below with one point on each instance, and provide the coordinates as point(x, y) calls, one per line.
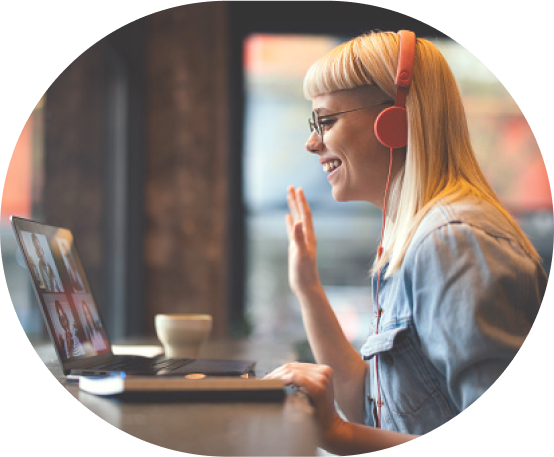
point(330, 166)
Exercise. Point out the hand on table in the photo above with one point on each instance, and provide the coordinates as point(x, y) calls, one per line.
point(317, 382)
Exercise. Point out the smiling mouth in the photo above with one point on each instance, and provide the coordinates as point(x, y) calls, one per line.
point(332, 166)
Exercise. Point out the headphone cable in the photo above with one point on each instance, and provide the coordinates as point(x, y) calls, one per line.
point(378, 310)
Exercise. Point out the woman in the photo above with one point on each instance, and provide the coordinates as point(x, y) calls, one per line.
point(71, 345)
point(456, 283)
point(90, 329)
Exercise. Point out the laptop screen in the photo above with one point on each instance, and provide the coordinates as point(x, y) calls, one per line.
point(68, 306)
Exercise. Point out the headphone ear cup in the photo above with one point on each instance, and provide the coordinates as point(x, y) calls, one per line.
point(391, 127)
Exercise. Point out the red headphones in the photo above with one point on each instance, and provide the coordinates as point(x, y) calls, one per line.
point(391, 129)
point(391, 126)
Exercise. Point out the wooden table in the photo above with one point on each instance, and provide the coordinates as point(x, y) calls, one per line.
point(211, 428)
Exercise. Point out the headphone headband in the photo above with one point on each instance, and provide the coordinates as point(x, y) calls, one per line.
point(406, 56)
point(391, 126)
point(405, 66)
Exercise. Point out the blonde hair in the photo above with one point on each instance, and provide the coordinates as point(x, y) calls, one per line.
point(440, 161)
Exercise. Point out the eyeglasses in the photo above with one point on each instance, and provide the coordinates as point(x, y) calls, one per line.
point(317, 125)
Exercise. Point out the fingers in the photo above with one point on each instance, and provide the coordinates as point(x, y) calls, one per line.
point(290, 225)
point(304, 210)
point(295, 230)
point(316, 381)
point(292, 203)
point(298, 205)
point(299, 212)
point(312, 377)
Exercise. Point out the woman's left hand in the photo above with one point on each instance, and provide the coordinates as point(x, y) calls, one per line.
point(317, 382)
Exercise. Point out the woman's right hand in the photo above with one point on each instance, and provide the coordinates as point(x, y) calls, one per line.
point(303, 274)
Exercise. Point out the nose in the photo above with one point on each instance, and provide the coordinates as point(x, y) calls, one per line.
point(314, 143)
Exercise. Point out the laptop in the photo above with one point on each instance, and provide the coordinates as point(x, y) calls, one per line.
point(73, 318)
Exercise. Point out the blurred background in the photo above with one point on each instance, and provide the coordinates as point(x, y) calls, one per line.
point(167, 148)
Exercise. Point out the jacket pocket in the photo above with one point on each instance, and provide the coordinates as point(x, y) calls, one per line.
point(410, 390)
point(382, 342)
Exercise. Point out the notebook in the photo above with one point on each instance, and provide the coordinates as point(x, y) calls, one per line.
point(73, 319)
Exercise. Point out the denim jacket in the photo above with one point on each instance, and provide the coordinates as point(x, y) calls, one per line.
point(453, 317)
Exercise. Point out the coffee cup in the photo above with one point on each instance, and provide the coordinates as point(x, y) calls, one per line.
point(182, 335)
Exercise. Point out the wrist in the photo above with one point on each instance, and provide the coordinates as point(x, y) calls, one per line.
point(309, 292)
point(335, 434)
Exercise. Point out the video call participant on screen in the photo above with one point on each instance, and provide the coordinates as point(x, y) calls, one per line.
point(90, 329)
point(69, 342)
point(45, 272)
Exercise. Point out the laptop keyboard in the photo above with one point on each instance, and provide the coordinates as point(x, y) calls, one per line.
point(134, 364)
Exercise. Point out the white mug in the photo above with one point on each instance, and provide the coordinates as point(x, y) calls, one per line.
point(182, 335)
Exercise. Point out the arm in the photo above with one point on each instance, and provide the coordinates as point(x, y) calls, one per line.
point(475, 313)
point(324, 332)
point(335, 435)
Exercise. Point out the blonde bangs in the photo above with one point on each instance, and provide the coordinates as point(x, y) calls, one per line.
point(339, 69)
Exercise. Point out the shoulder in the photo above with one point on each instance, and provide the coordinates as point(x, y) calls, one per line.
point(476, 215)
point(470, 233)
point(471, 229)
point(460, 221)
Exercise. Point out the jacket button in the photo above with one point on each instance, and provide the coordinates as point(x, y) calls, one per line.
point(369, 398)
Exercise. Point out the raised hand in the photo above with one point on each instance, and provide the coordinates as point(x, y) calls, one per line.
point(303, 274)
